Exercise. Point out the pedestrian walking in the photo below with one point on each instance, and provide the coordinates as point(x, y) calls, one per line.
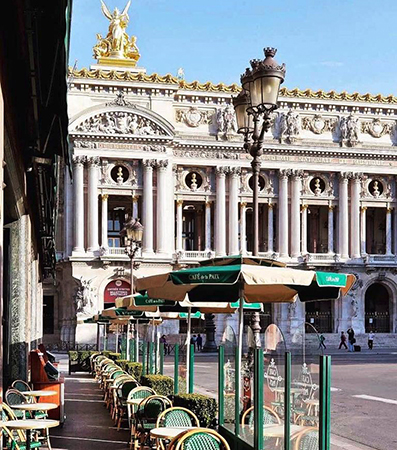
point(371, 336)
point(199, 343)
point(343, 339)
point(163, 340)
point(322, 339)
point(193, 340)
point(351, 339)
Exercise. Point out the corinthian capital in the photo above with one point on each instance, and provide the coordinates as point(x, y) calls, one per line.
point(149, 163)
point(162, 164)
point(357, 177)
point(284, 173)
point(221, 170)
point(93, 161)
point(235, 171)
point(297, 174)
point(78, 160)
point(345, 176)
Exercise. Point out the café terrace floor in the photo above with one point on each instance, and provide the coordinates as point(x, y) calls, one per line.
point(88, 424)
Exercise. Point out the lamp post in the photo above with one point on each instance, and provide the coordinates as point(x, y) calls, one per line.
point(253, 106)
point(132, 233)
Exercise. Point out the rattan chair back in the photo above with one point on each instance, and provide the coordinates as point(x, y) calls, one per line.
point(177, 417)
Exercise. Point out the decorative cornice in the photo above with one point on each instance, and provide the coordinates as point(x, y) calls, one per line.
point(113, 75)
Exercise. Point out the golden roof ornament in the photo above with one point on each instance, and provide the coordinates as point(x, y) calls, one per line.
point(117, 48)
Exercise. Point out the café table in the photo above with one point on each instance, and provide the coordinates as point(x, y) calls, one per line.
point(33, 407)
point(39, 393)
point(28, 425)
point(168, 433)
point(276, 430)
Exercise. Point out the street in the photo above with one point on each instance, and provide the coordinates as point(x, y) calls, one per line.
point(364, 396)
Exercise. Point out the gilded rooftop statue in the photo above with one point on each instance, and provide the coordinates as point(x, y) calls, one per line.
point(117, 48)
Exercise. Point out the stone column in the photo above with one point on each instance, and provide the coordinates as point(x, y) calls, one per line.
point(270, 229)
point(179, 225)
point(355, 216)
point(343, 222)
point(78, 181)
point(243, 228)
point(220, 211)
point(389, 212)
point(234, 176)
point(304, 229)
point(104, 221)
point(147, 206)
point(68, 214)
point(135, 213)
point(161, 229)
point(331, 229)
point(208, 243)
point(283, 212)
point(363, 230)
point(93, 204)
point(295, 212)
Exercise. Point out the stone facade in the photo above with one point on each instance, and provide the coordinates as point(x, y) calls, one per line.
point(167, 151)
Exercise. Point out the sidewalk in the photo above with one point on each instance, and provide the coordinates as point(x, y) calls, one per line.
point(88, 424)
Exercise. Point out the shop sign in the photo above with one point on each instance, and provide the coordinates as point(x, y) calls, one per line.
point(116, 288)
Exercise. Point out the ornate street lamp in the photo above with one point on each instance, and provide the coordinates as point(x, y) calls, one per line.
point(133, 233)
point(253, 106)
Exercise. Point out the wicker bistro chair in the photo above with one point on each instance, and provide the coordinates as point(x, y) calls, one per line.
point(15, 397)
point(199, 439)
point(269, 416)
point(21, 386)
point(176, 417)
point(121, 394)
point(307, 439)
point(140, 392)
point(112, 394)
point(147, 414)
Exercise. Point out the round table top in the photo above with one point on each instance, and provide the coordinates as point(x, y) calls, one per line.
point(31, 424)
point(35, 406)
point(293, 390)
point(169, 432)
point(39, 393)
point(275, 430)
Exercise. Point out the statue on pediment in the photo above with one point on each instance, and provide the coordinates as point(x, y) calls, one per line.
point(117, 47)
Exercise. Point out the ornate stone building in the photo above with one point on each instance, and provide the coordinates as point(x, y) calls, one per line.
point(167, 151)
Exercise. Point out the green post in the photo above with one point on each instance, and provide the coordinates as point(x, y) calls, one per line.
point(132, 350)
point(325, 403)
point(237, 378)
point(258, 399)
point(144, 361)
point(191, 369)
point(161, 368)
point(221, 384)
point(150, 358)
point(176, 369)
point(105, 343)
point(287, 402)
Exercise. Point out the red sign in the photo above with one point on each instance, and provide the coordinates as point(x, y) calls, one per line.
point(117, 288)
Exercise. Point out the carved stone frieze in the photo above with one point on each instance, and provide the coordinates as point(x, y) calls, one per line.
point(207, 154)
point(154, 148)
point(289, 126)
point(85, 144)
point(376, 128)
point(120, 122)
point(318, 124)
point(193, 117)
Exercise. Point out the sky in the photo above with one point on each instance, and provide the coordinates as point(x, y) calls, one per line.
point(341, 45)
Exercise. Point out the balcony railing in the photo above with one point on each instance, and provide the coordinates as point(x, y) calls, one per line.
point(194, 255)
